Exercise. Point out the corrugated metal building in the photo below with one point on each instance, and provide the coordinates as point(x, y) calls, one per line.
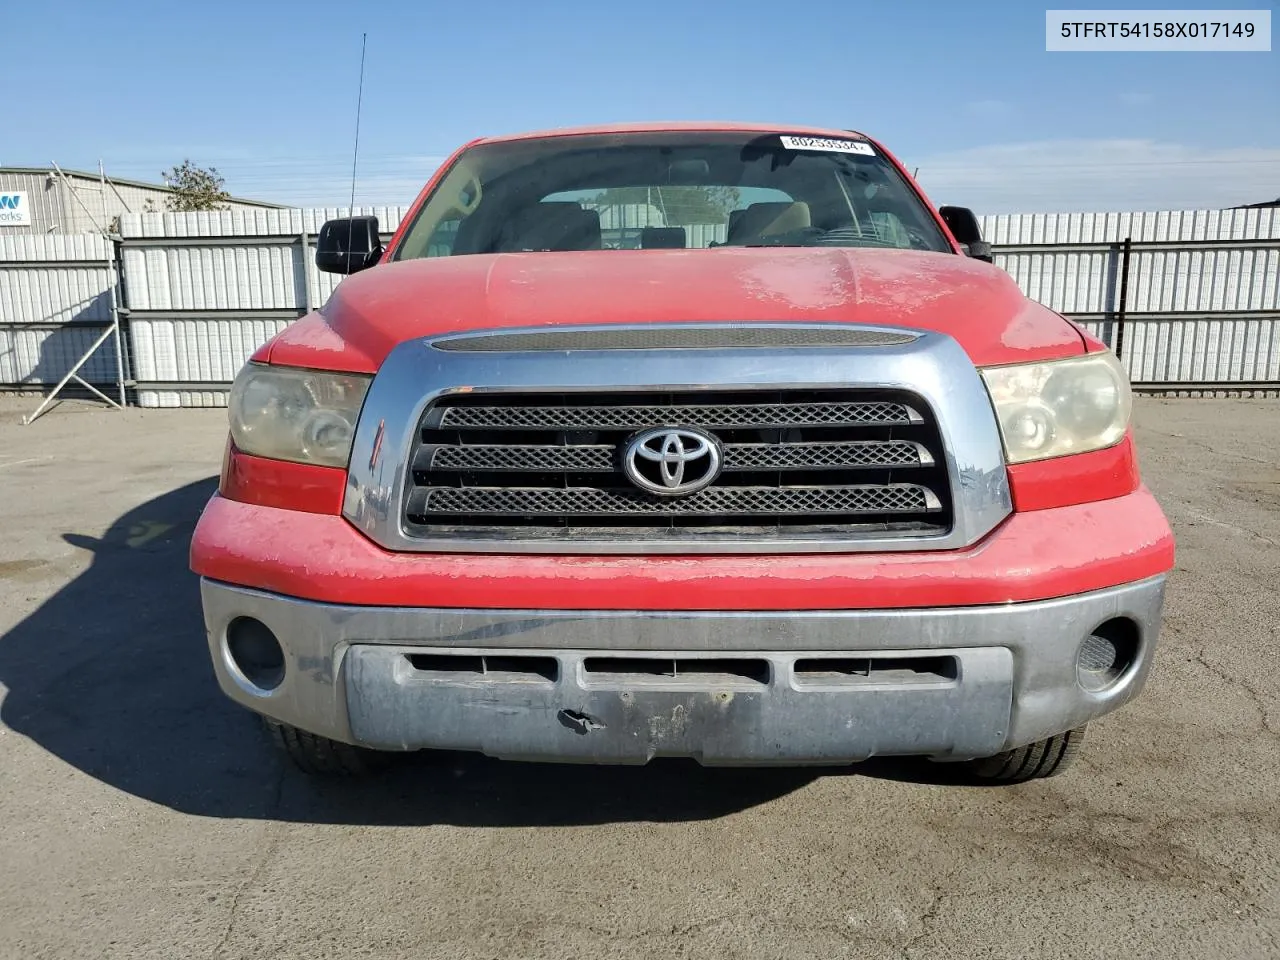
point(72, 201)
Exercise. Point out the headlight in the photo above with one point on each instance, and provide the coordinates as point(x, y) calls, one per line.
point(1066, 406)
point(286, 413)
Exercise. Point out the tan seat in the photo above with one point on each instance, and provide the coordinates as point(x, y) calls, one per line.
point(762, 220)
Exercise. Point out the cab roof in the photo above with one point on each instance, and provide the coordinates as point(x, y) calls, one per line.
point(718, 126)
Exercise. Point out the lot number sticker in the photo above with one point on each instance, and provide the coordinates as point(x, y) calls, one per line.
point(831, 146)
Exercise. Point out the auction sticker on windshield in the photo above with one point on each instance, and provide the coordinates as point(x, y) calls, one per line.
point(833, 146)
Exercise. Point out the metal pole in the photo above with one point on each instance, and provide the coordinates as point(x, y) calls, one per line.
point(71, 375)
point(76, 197)
point(123, 202)
point(1125, 250)
point(306, 271)
point(113, 328)
point(112, 282)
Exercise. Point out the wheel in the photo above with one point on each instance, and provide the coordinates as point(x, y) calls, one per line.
point(1044, 758)
point(320, 756)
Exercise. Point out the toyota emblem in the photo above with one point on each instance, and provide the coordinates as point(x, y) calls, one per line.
point(672, 462)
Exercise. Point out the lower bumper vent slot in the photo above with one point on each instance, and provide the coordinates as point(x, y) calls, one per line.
point(694, 670)
point(488, 668)
point(876, 670)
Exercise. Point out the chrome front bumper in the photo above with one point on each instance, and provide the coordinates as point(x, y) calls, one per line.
point(377, 677)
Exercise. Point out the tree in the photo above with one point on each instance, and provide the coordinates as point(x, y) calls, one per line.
point(195, 188)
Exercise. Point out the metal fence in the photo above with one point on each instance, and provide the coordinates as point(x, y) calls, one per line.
point(1187, 299)
point(55, 301)
point(202, 291)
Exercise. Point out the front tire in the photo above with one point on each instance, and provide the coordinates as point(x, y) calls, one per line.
point(1035, 761)
point(319, 756)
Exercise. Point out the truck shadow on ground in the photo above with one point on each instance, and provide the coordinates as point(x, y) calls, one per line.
point(112, 676)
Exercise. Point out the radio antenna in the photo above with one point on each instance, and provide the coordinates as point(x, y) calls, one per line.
point(360, 97)
point(355, 152)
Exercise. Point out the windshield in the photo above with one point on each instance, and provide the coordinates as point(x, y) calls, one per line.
point(669, 190)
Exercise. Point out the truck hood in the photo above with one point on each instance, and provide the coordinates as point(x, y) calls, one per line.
point(976, 303)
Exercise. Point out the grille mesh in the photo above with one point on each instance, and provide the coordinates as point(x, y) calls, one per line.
point(740, 456)
point(784, 456)
point(627, 416)
point(1098, 654)
point(521, 457)
point(711, 502)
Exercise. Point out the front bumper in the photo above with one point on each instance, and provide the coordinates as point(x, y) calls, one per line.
point(744, 687)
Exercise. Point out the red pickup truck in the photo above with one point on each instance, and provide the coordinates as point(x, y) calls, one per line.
point(703, 440)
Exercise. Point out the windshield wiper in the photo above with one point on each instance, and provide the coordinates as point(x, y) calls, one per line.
point(842, 241)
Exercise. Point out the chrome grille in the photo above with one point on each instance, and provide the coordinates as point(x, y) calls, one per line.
point(712, 502)
point(634, 417)
point(526, 456)
point(523, 466)
point(826, 456)
point(599, 458)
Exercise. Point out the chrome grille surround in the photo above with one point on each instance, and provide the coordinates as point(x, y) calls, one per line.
point(926, 365)
point(706, 336)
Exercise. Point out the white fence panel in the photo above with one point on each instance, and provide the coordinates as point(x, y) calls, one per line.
point(233, 277)
point(54, 301)
point(1017, 229)
point(172, 399)
point(1066, 282)
point(197, 351)
point(42, 355)
point(255, 273)
point(1205, 351)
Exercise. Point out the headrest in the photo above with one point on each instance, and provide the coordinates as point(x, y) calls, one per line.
point(662, 238)
point(555, 225)
point(765, 219)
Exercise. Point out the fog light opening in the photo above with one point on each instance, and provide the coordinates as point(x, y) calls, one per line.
point(1107, 654)
point(256, 652)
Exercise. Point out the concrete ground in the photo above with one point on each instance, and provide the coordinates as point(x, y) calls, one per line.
point(141, 815)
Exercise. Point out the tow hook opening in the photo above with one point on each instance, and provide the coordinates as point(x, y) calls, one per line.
point(579, 723)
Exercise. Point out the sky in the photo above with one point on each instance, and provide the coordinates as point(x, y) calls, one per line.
point(266, 92)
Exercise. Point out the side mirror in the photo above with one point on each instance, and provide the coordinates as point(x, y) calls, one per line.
point(980, 250)
point(964, 227)
point(348, 245)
